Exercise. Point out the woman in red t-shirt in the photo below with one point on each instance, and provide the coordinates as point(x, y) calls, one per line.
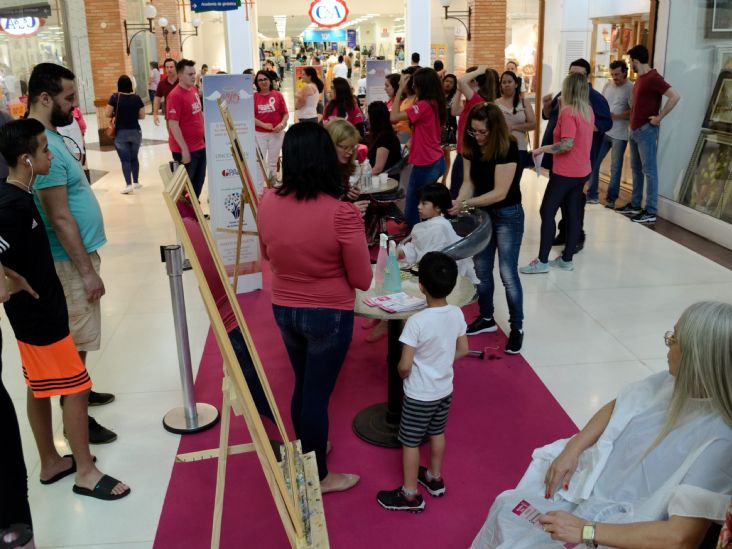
point(477, 85)
point(342, 104)
point(426, 116)
point(571, 168)
point(270, 119)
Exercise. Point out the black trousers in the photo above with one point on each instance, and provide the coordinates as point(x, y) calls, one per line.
point(567, 192)
point(14, 506)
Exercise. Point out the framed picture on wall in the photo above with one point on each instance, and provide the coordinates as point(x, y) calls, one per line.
point(722, 61)
point(708, 182)
point(718, 19)
point(719, 111)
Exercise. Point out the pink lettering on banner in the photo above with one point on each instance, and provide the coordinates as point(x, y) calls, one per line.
point(230, 96)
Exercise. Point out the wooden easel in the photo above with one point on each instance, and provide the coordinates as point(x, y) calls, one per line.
point(293, 481)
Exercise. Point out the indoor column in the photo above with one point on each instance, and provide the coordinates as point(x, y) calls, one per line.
point(488, 43)
point(241, 39)
point(418, 25)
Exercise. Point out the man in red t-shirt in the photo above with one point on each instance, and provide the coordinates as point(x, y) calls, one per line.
point(185, 124)
point(165, 86)
point(645, 117)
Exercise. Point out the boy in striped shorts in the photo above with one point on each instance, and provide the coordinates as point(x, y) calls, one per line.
point(433, 339)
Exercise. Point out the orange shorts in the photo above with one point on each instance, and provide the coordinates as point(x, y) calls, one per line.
point(52, 370)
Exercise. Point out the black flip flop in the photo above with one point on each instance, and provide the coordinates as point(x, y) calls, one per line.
point(103, 489)
point(63, 474)
point(23, 534)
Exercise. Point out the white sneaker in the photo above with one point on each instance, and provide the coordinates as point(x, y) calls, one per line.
point(127, 190)
point(136, 186)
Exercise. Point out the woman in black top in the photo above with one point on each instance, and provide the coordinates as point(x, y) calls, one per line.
point(385, 152)
point(492, 181)
point(128, 109)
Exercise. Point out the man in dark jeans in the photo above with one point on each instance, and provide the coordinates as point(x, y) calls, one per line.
point(186, 135)
point(603, 122)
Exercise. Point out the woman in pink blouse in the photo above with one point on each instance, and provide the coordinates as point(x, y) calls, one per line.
point(342, 104)
point(270, 119)
point(316, 248)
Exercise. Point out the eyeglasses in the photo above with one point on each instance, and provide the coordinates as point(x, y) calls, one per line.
point(669, 338)
point(347, 148)
point(262, 79)
point(476, 133)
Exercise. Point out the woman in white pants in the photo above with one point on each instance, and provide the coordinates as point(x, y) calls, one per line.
point(270, 120)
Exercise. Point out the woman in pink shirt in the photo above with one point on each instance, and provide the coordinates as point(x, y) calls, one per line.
point(342, 104)
point(316, 248)
point(571, 168)
point(426, 116)
point(270, 119)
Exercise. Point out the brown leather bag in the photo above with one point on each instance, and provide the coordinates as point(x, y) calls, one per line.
point(111, 131)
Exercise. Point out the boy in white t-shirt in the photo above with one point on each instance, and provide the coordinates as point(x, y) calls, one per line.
point(433, 340)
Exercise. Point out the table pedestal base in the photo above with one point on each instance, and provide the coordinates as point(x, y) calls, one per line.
point(373, 425)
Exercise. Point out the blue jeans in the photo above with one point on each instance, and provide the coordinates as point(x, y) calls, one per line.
point(421, 176)
point(643, 148)
point(317, 341)
point(456, 176)
point(616, 168)
point(508, 230)
point(250, 373)
point(127, 143)
point(196, 168)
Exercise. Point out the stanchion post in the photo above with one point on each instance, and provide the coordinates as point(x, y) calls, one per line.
point(191, 417)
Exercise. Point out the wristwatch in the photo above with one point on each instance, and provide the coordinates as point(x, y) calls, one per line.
point(588, 535)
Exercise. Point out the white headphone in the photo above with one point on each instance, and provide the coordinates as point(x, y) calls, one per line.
point(28, 162)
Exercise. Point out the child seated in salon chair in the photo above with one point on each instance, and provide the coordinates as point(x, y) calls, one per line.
point(433, 234)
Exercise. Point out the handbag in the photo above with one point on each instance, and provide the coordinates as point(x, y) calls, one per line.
point(111, 131)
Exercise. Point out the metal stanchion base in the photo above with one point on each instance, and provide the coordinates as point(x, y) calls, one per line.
point(175, 420)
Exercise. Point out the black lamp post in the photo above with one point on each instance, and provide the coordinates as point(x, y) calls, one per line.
point(196, 22)
point(457, 14)
point(150, 13)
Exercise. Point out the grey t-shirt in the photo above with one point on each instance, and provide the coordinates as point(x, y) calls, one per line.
point(618, 98)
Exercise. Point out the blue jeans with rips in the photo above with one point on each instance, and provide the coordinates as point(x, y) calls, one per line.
point(508, 231)
point(616, 168)
point(421, 176)
point(643, 149)
point(317, 341)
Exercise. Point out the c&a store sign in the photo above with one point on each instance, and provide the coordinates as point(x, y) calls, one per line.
point(328, 13)
point(21, 26)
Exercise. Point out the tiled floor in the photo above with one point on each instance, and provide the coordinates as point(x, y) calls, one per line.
point(588, 332)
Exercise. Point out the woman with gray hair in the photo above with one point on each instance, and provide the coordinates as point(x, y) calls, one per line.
point(636, 475)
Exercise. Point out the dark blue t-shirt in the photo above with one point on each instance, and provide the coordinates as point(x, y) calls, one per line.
point(126, 113)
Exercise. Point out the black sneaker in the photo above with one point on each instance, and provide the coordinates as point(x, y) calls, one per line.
point(395, 500)
point(434, 487)
point(99, 434)
point(515, 340)
point(644, 217)
point(481, 325)
point(100, 399)
point(628, 209)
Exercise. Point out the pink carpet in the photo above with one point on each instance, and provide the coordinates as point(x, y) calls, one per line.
point(501, 411)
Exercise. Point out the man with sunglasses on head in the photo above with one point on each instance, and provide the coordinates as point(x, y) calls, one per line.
point(73, 220)
point(603, 122)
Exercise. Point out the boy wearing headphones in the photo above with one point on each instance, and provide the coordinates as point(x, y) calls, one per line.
point(51, 363)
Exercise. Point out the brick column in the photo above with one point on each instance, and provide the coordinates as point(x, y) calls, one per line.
point(169, 10)
point(109, 51)
point(488, 29)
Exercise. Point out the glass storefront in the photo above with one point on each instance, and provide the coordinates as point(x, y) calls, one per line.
point(696, 139)
point(32, 33)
